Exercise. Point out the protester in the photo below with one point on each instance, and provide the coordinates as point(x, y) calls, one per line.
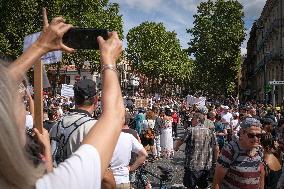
point(240, 163)
point(159, 122)
point(175, 117)
point(200, 147)
point(221, 131)
point(52, 119)
point(68, 134)
point(167, 150)
point(272, 165)
point(86, 167)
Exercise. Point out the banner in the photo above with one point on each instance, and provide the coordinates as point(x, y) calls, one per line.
point(191, 100)
point(49, 58)
point(67, 90)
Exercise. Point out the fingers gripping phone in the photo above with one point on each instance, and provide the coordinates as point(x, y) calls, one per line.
point(84, 38)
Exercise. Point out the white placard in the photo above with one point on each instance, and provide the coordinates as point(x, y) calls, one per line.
point(67, 90)
point(49, 58)
point(191, 100)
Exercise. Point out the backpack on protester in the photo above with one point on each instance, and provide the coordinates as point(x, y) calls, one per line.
point(63, 133)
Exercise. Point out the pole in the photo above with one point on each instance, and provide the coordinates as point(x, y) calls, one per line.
point(273, 94)
point(38, 117)
point(265, 82)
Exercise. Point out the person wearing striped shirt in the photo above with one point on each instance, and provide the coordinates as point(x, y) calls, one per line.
point(240, 165)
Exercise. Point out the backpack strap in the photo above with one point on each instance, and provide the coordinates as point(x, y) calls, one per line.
point(63, 134)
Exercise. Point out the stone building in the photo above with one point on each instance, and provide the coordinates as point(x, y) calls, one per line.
point(265, 54)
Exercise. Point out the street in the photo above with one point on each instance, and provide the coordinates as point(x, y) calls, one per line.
point(176, 164)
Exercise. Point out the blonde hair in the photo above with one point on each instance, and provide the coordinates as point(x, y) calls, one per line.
point(16, 171)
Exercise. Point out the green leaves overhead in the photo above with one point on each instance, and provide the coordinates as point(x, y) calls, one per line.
point(217, 35)
point(157, 54)
point(23, 17)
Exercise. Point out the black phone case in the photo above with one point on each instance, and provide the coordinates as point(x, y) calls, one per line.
point(84, 38)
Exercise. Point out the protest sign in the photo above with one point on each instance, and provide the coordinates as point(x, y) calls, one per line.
point(67, 90)
point(191, 100)
point(49, 58)
point(139, 102)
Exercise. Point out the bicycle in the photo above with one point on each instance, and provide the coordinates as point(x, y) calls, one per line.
point(141, 180)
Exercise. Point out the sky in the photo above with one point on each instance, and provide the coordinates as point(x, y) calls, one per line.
point(177, 15)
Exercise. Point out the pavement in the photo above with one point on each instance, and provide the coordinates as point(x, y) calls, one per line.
point(176, 164)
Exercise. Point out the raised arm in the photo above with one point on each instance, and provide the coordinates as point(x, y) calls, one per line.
point(49, 40)
point(104, 135)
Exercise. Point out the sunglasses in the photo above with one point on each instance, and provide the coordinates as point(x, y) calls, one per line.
point(251, 135)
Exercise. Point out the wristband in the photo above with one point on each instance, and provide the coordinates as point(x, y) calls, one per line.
point(109, 66)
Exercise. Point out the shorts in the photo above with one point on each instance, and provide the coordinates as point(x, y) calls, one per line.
point(192, 179)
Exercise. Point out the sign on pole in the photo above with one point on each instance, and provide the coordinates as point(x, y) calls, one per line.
point(49, 58)
point(67, 90)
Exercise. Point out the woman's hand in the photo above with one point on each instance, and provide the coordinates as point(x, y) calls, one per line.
point(42, 138)
point(51, 35)
point(110, 49)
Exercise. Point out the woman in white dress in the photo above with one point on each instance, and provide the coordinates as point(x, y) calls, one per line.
point(167, 150)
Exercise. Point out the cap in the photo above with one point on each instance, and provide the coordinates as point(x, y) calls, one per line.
point(249, 122)
point(85, 88)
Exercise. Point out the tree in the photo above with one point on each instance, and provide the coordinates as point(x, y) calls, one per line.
point(217, 35)
point(23, 17)
point(157, 53)
point(90, 14)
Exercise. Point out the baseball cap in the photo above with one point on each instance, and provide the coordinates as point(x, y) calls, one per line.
point(85, 88)
point(249, 122)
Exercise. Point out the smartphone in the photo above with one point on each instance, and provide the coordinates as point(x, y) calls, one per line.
point(83, 38)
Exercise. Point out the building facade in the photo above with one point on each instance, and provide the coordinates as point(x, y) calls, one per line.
point(265, 55)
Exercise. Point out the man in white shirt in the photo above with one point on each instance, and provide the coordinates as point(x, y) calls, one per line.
point(119, 164)
point(226, 116)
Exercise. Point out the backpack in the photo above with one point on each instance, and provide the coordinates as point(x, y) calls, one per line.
point(63, 133)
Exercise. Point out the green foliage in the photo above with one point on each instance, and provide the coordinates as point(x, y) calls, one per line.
point(157, 54)
point(23, 17)
point(217, 35)
point(90, 14)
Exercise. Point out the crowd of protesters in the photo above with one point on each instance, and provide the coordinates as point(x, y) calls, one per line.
point(82, 145)
point(220, 139)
